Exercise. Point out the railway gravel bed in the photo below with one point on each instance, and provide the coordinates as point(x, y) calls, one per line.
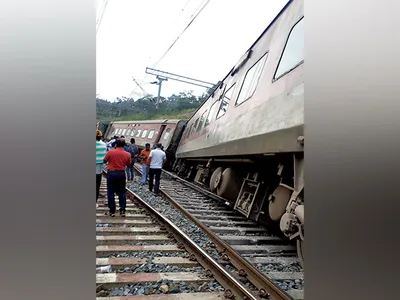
point(270, 255)
point(153, 258)
point(142, 254)
point(166, 209)
point(192, 230)
point(145, 263)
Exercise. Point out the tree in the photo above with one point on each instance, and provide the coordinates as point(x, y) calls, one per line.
point(144, 108)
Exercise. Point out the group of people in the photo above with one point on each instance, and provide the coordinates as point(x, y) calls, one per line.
point(120, 159)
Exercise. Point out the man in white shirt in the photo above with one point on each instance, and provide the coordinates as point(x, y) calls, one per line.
point(111, 144)
point(157, 158)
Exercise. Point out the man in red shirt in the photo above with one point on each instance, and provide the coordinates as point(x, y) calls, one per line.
point(118, 159)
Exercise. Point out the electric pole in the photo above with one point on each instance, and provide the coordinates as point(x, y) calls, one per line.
point(159, 83)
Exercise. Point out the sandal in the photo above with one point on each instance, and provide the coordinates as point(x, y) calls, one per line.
point(109, 214)
point(122, 214)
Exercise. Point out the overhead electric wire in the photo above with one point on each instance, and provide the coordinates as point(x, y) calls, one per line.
point(180, 12)
point(139, 85)
point(187, 26)
point(176, 18)
point(101, 16)
point(193, 17)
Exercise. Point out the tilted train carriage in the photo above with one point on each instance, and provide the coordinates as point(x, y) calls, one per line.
point(166, 132)
point(246, 142)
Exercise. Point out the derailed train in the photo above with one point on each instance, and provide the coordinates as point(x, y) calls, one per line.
point(246, 142)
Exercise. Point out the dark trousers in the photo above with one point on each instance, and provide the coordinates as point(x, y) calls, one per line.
point(98, 183)
point(129, 170)
point(116, 185)
point(154, 173)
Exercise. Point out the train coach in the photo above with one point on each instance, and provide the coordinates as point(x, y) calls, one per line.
point(167, 132)
point(246, 141)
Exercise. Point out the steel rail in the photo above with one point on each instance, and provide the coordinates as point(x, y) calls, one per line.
point(234, 288)
point(267, 289)
point(200, 189)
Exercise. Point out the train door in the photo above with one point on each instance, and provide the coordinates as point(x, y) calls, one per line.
point(160, 133)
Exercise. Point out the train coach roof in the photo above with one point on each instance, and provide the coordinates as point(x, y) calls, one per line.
point(149, 122)
point(251, 47)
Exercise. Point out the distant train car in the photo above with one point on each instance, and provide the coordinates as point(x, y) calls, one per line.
point(246, 141)
point(166, 132)
point(102, 126)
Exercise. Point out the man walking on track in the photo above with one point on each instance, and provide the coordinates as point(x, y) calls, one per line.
point(118, 159)
point(101, 150)
point(157, 158)
point(134, 152)
point(144, 155)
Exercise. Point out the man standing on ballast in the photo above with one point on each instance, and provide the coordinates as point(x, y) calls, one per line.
point(118, 159)
point(157, 159)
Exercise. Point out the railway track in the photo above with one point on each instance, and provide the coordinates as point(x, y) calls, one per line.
point(249, 251)
point(146, 256)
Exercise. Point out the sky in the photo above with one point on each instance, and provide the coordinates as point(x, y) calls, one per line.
point(135, 34)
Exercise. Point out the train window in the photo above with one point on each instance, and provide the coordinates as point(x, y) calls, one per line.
point(133, 132)
point(195, 125)
point(251, 80)
point(144, 133)
point(190, 130)
point(211, 113)
point(151, 134)
point(203, 116)
point(128, 132)
point(167, 133)
point(225, 101)
point(293, 53)
point(138, 132)
point(123, 132)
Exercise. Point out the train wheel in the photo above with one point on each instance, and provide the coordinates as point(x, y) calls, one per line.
point(216, 179)
point(230, 185)
point(278, 202)
point(300, 252)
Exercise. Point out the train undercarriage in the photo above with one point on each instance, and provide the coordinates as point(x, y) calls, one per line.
point(268, 189)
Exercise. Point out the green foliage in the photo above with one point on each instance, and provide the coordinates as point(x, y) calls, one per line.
point(180, 106)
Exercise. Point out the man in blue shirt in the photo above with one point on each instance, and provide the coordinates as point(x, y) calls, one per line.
point(133, 149)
